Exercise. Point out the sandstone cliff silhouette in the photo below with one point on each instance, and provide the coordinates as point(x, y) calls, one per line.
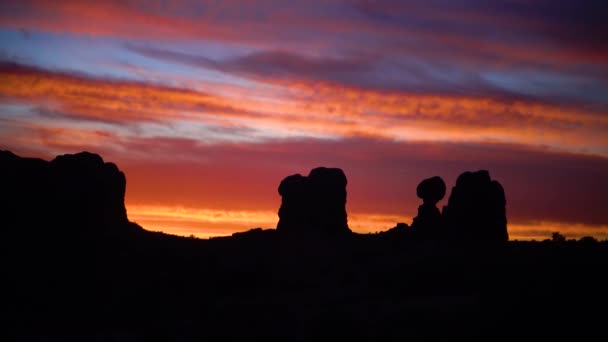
point(80, 193)
point(75, 193)
point(476, 209)
point(315, 204)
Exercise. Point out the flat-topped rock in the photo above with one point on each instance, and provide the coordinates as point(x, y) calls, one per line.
point(476, 209)
point(314, 204)
point(75, 192)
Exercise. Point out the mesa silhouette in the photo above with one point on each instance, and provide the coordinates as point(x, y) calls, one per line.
point(314, 204)
point(74, 266)
point(78, 192)
point(85, 194)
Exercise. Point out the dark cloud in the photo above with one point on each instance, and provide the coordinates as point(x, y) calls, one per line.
point(579, 25)
point(404, 73)
point(281, 64)
point(271, 64)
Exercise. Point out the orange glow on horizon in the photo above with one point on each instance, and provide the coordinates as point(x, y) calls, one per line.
point(206, 223)
point(181, 220)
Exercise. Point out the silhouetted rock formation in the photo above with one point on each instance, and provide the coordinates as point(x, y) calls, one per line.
point(476, 208)
point(429, 223)
point(75, 192)
point(58, 283)
point(314, 204)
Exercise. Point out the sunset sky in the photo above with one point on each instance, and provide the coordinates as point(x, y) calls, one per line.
point(207, 105)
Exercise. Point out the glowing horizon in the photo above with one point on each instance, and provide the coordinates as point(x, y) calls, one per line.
point(193, 221)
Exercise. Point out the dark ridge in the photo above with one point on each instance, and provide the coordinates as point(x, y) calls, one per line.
point(74, 268)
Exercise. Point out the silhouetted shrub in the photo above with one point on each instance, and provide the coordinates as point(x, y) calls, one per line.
point(558, 237)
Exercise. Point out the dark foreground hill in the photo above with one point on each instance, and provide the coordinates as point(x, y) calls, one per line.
point(69, 275)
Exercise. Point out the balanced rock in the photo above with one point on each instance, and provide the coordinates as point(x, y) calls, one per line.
point(429, 223)
point(431, 190)
point(314, 204)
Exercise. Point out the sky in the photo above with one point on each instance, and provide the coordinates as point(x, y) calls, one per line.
point(207, 105)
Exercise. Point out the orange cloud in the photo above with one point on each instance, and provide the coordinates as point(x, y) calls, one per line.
point(314, 110)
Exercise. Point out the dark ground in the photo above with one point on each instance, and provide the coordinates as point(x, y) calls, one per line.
point(141, 286)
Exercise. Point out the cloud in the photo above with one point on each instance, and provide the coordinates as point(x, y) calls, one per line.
point(569, 30)
point(441, 45)
point(273, 65)
point(405, 72)
point(537, 50)
point(303, 109)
